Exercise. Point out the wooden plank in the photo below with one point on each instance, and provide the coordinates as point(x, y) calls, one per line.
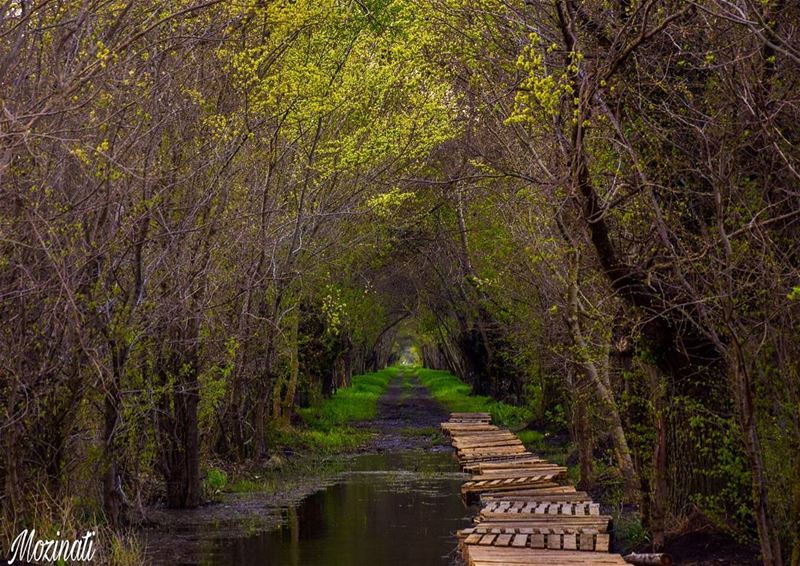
point(586, 540)
point(520, 540)
point(537, 540)
point(484, 435)
point(537, 495)
point(484, 485)
point(495, 508)
point(477, 455)
point(486, 443)
point(498, 451)
point(515, 473)
point(514, 462)
point(533, 556)
point(554, 541)
point(483, 454)
point(599, 524)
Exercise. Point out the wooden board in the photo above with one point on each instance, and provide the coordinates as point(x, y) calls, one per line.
point(585, 539)
point(515, 473)
point(518, 507)
point(512, 556)
point(480, 485)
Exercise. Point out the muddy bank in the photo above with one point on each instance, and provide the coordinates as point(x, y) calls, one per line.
point(179, 536)
point(708, 548)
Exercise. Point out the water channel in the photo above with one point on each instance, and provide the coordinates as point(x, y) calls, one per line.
point(387, 509)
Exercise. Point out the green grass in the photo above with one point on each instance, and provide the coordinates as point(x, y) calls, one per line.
point(359, 402)
point(533, 439)
point(337, 439)
point(629, 533)
point(456, 396)
point(290, 474)
point(327, 424)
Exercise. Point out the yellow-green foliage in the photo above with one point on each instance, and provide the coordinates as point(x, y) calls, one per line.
point(541, 91)
point(384, 203)
point(364, 76)
point(214, 386)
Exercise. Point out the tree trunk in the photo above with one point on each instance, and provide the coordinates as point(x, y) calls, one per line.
point(262, 401)
point(294, 370)
point(657, 503)
point(660, 487)
point(585, 443)
point(180, 460)
point(112, 494)
point(604, 393)
point(743, 387)
point(183, 480)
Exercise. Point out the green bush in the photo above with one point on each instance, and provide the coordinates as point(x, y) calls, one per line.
point(215, 480)
point(629, 533)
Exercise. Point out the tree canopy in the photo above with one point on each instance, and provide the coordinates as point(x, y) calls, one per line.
point(216, 212)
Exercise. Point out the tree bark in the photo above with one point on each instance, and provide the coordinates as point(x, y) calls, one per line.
point(742, 383)
point(183, 479)
point(660, 486)
point(585, 443)
point(294, 369)
point(179, 431)
point(602, 388)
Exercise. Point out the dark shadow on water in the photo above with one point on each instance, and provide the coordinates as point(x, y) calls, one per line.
point(390, 509)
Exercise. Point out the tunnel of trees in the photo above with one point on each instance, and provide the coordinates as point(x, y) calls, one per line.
point(212, 213)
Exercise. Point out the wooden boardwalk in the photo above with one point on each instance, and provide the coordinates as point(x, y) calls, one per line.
point(528, 517)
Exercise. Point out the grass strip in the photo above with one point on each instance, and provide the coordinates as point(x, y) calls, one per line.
point(327, 425)
point(457, 396)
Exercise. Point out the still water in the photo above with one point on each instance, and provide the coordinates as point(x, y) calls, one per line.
point(392, 509)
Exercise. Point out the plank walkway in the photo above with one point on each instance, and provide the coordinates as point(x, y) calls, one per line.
point(528, 518)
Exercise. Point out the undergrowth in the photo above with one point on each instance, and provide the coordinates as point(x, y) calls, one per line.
point(456, 396)
point(359, 402)
point(327, 425)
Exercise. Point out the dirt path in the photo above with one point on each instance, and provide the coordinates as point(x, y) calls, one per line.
point(407, 418)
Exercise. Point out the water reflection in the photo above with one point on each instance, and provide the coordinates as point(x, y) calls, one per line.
point(389, 510)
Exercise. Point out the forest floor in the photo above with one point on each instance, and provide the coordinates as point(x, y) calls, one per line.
point(706, 548)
